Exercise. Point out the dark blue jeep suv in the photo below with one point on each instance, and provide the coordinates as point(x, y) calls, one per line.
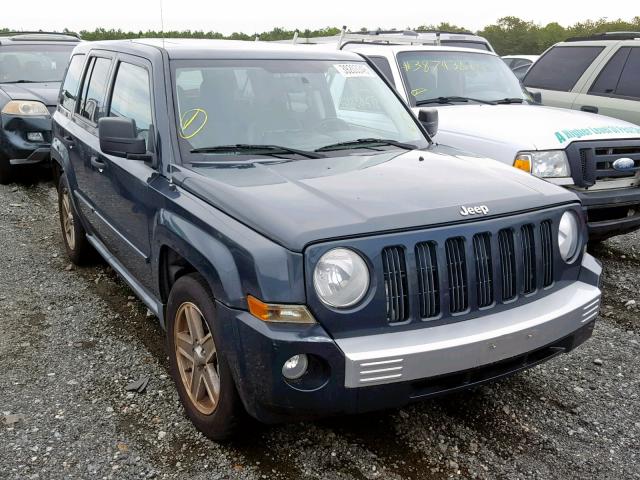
point(306, 246)
point(31, 69)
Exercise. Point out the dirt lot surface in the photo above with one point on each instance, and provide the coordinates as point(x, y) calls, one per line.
point(71, 339)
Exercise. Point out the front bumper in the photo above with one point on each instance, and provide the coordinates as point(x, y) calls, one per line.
point(13, 139)
point(389, 370)
point(611, 212)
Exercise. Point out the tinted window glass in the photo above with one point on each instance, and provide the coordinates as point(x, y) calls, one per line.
point(561, 67)
point(610, 75)
point(383, 65)
point(35, 63)
point(629, 85)
point(132, 97)
point(466, 44)
point(92, 102)
point(69, 90)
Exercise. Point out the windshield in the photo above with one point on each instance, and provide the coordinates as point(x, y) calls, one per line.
point(434, 74)
point(33, 63)
point(296, 104)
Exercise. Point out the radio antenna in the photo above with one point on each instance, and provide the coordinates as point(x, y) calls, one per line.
point(162, 23)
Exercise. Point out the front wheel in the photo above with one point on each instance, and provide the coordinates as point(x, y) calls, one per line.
point(198, 367)
point(5, 170)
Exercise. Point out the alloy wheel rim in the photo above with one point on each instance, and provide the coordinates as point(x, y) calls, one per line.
point(67, 220)
point(197, 358)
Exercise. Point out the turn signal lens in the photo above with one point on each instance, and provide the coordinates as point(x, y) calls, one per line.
point(269, 312)
point(523, 162)
point(26, 108)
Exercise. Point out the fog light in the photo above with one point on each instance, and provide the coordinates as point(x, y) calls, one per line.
point(35, 137)
point(295, 367)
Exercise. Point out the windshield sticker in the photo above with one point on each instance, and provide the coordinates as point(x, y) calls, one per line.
point(416, 92)
point(192, 122)
point(565, 135)
point(349, 70)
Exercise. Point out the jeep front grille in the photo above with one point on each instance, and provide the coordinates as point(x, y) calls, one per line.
point(395, 283)
point(460, 274)
point(428, 282)
point(457, 272)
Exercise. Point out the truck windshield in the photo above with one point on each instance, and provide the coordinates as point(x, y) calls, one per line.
point(465, 75)
point(33, 63)
point(280, 106)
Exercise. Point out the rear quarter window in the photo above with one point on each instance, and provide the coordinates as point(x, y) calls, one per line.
point(561, 67)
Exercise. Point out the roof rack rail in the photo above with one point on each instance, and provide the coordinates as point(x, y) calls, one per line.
point(466, 32)
point(607, 36)
point(14, 34)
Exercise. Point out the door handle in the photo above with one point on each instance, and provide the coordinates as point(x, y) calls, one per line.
point(589, 108)
point(98, 164)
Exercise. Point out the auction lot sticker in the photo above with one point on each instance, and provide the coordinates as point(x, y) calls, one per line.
point(349, 70)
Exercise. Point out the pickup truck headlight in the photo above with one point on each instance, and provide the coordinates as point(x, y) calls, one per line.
point(569, 236)
point(341, 278)
point(544, 164)
point(27, 108)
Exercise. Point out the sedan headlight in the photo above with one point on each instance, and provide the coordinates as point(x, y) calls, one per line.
point(569, 236)
point(544, 164)
point(341, 278)
point(26, 108)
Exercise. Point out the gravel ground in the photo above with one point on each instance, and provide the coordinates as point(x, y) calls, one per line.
point(71, 340)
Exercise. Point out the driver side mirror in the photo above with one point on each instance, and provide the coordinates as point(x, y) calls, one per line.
point(118, 136)
point(429, 119)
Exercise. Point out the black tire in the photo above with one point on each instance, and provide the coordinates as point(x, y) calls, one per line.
point(228, 412)
point(78, 248)
point(5, 170)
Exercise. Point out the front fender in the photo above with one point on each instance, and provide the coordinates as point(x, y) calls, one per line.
point(234, 260)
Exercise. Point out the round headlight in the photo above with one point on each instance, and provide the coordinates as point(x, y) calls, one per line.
point(568, 236)
point(341, 278)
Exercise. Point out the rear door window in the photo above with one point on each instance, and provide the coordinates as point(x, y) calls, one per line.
point(69, 90)
point(92, 103)
point(561, 67)
point(629, 85)
point(607, 81)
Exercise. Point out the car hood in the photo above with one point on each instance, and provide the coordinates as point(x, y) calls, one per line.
point(46, 93)
point(299, 202)
point(531, 127)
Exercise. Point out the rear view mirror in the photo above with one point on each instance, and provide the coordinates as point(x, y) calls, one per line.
point(429, 119)
point(118, 136)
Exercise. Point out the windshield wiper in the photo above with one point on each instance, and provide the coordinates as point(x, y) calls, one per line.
point(272, 150)
point(445, 100)
point(507, 101)
point(32, 81)
point(365, 143)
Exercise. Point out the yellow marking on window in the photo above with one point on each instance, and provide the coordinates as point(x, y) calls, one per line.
point(186, 123)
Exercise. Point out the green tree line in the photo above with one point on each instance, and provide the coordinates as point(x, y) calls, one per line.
point(509, 35)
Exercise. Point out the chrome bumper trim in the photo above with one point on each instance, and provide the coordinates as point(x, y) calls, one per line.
point(432, 351)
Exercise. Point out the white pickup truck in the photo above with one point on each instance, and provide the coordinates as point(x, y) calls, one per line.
point(483, 109)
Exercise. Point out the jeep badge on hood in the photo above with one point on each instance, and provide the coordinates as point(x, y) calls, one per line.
point(479, 210)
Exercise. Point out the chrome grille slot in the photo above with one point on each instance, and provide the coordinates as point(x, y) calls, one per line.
point(484, 268)
point(507, 264)
point(528, 259)
point(428, 280)
point(395, 283)
point(457, 272)
point(546, 244)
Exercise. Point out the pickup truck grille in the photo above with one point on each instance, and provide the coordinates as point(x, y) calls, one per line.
point(592, 161)
point(490, 266)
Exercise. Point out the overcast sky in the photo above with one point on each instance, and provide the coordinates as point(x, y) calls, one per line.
point(250, 16)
